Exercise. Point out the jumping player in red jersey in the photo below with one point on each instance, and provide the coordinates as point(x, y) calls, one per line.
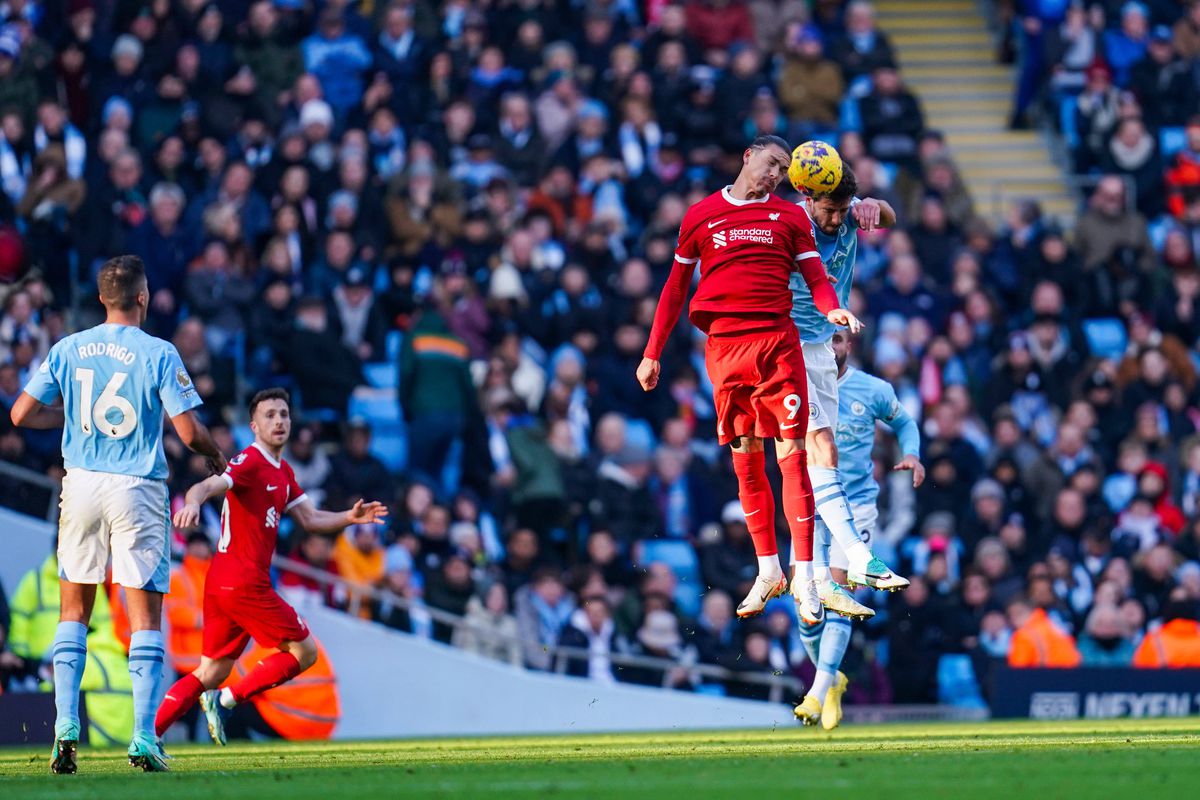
point(748, 242)
point(239, 602)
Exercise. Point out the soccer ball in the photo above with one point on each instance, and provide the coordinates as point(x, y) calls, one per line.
point(816, 168)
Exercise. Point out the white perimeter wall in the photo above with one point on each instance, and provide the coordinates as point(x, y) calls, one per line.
point(393, 684)
point(24, 544)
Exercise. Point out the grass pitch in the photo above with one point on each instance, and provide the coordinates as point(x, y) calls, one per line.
point(1010, 760)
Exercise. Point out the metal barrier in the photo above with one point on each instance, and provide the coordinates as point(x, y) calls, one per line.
point(780, 685)
point(41, 481)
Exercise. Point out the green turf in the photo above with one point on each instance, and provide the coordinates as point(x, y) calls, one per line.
point(1010, 760)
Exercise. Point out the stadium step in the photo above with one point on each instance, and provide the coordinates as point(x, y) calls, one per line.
point(946, 51)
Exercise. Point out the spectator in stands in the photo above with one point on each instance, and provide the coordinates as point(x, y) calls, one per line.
point(1109, 229)
point(1037, 641)
point(1105, 642)
point(1175, 645)
point(542, 608)
point(862, 48)
point(316, 552)
point(1096, 114)
point(354, 472)
point(891, 118)
point(1126, 46)
point(1133, 152)
point(488, 629)
point(1162, 82)
point(359, 558)
point(325, 371)
point(915, 641)
point(590, 628)
point(659, 637)
point(714, 637)
point(449, 588)
point(810, 85)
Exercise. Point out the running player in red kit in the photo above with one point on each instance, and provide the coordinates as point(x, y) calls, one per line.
point(239, 602)
point(748, 242)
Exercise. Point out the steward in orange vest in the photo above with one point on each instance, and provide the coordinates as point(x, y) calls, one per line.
point(306, 707)
point(184, 606)
point(1036, 641)
point(1176, 644)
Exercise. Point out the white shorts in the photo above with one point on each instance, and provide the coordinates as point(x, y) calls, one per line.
point(129, 517)
point(866, 520)
point(821, 367)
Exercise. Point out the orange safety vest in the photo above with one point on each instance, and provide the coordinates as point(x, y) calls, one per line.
point(184, 610)
point(306, 707)
point(1038, 643)
point(120, 614)
point(1175, 645)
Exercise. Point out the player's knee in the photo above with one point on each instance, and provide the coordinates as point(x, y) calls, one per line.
point(822, 450)
point(213, 673)
point(305, 652)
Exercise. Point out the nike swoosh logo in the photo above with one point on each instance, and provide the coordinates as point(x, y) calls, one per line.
point(789, 427)
point(271, 488)
point(755, 511)
point(712, 225)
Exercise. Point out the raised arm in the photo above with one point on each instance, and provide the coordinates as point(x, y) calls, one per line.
point(29, 412)
point(314, 520)
point(195, 436)
point(870, 214)
point(198, 495)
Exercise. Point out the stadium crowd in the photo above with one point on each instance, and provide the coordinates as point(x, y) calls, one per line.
point(443, 226)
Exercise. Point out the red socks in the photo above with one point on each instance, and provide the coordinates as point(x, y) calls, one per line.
point(757, 501)
point(267, 674)
point(180, 697)
point(798, 503)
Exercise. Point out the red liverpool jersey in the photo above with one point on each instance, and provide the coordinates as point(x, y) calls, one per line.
point(261, 491)
point(747, 250)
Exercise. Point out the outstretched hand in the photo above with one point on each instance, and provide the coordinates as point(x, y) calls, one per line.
point(918, 469)
point(366, 513)
point(840, 316)
point(187, 517)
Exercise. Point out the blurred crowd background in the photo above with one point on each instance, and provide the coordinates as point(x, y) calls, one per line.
point(443, 227)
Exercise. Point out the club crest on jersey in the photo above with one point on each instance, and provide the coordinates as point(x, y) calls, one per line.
point(238, 459)
point(719, 239)
point(857, 408)
point(774, 216)
point(813, 410)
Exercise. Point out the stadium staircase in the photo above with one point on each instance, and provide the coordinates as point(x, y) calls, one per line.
point(947, 53)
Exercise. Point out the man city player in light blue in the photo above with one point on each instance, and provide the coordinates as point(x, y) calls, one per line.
point(863, 400)
point(115, 382)
point(837, 216)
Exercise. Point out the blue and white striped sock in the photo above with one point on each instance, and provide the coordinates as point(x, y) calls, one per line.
point(834, 640)
point(830, 498)
point(810, 637)
point(69, 655)
point(145, 670)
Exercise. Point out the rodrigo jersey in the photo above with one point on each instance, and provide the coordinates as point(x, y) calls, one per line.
point(837, 253)
point(115, 382)
point(864, 400)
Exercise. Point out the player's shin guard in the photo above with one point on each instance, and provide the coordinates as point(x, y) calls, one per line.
point(831, 503)
point(179, 698)
point(757, 501)
point(798, 505)
point(145, 671)
point(267, 674)
point(69, 655)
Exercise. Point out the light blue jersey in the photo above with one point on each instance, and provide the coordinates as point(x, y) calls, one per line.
point(837, 254)
point(115, 382)
point(864, 400)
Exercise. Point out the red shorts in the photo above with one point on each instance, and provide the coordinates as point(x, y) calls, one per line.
point(233, 616)
point(759, 385)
